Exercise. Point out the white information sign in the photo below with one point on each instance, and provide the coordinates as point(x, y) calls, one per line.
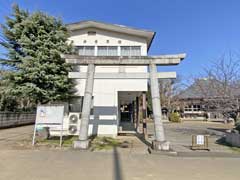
point(200, 140)
point(49, 116)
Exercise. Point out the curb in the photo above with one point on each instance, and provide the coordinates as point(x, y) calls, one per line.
point(194, 154)
point(208, 154)
point(166, 153)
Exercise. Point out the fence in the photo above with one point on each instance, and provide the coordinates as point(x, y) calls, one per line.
point(10, 119)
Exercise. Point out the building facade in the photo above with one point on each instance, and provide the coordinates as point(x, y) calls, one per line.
point(208, 99)
point(111, 74)
point(113, 99)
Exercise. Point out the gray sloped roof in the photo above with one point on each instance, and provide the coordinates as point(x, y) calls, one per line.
point(202, 88)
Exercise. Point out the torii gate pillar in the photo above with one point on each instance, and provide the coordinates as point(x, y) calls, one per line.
point(83, 142)
point(159, 143)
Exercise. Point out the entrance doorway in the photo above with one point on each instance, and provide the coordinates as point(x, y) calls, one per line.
point(128, 111)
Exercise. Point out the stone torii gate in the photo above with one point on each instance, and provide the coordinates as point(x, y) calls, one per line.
point(160, 142)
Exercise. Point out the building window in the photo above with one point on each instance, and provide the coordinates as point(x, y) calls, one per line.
point(89, 50)
point(107, 51)
point(112, 51)
point(196, 108)
point(130, 51)
point(125, 51)
point(188, 108)
point(192, 108)
point(135, 51)
point(85, 50)
point(75, 104)
point(102, 51)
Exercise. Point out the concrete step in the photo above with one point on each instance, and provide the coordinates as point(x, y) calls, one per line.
point(127, 132)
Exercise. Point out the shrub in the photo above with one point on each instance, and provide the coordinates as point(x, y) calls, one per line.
point(174, 117)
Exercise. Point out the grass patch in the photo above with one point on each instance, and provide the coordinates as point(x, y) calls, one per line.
point(236, 149)
point(97, 143)
point(104, 143)
point(54, 141)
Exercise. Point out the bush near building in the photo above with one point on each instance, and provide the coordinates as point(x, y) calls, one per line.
point(175, 117)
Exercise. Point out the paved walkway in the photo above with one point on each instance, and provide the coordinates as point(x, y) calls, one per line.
point(62, 165)
point(132, 163)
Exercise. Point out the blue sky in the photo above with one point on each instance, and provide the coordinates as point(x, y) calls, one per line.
point(204, 29)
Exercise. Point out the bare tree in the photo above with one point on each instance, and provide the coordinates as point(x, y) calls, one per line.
point(220, 87)
point(169, 88)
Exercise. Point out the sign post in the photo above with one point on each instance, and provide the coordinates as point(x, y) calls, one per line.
point(50, 116)
point(200, 142)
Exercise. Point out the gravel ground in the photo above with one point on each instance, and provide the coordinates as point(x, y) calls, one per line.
point(16, 138)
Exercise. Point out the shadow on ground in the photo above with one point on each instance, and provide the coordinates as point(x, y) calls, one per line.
point(143, 140)
point(117, 165)
point(223, 130)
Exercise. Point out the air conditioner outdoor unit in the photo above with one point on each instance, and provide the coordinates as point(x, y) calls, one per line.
point(73, 123)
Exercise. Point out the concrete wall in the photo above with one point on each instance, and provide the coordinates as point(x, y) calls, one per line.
point(8, 119)
point(105, 119)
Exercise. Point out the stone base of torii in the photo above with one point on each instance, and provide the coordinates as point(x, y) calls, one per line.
point(159, 143)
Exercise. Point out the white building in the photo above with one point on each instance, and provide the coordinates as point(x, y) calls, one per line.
point(91, 38)
point(112, 80)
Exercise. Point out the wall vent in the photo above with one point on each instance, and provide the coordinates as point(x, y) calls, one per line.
point(91, 33)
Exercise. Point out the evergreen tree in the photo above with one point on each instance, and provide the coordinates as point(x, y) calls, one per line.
point(8, 102)
point(34, 43)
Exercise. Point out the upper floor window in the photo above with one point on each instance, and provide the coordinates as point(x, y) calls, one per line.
point(130, 51)
point(85, 50)
point(107, 51)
